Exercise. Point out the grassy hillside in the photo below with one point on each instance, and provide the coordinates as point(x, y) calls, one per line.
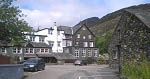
point(106, 25)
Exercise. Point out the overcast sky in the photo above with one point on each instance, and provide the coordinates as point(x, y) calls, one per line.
point(69, 12)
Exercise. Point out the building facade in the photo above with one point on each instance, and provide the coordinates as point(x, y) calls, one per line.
point(132, 34)
point(83, 44)
point(57, 42)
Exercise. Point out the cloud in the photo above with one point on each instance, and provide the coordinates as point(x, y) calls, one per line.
point(68, 12)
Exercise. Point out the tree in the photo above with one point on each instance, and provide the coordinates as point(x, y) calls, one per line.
point(11, 24)
point(102, 42)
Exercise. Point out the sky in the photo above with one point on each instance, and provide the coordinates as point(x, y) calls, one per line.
point(43, 13)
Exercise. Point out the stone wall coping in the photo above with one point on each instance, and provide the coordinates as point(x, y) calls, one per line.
point(11, 65)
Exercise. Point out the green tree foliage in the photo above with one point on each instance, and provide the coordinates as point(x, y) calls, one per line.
point(11, 24)
point(102, 42)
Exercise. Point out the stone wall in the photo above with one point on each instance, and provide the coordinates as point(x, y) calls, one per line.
point(11, 71)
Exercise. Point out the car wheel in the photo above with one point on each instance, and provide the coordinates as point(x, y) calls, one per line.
point(43, 68)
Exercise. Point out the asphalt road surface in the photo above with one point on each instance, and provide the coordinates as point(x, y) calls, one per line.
point(73, 72)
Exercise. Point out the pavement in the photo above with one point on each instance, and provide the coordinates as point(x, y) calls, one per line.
point(74, 72)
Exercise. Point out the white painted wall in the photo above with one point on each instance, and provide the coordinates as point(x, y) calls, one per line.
point(51, 37)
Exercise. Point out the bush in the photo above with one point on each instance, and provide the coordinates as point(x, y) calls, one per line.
point(134, 70)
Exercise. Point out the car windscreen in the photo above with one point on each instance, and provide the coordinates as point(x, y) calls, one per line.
point(32, 61)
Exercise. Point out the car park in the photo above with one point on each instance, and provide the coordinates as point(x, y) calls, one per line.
point(34, 64)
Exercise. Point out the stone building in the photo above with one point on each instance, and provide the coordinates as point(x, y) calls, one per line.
point(132, 34)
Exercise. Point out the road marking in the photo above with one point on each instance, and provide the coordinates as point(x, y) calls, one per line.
point(80, 77)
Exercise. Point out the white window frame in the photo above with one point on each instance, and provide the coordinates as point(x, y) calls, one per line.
point(27, 50)
point(91, 44)
point(46, 49)
point(76, 52)
point(31, 49)
point(41, 39)
point(84, 37)
point(3, 50)
point(32, 38)
point(78, 35)
point(58, 32)
point(90, 36)
point(42, 50)
point(59, 43)
point(77, 43)
point(85, 44)
point(89, 53)
point(17, 50)
point(83, 28)
point(83, 51)
point(50, 31)
point(51, 43)
point(95, 52)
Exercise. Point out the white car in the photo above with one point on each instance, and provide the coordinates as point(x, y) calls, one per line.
point(80, 62)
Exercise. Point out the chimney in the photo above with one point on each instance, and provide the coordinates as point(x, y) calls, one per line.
point(54, 23)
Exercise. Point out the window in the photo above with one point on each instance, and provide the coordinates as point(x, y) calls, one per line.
point(38, 50)
point(32, 38)
point(59, 43)
point(14, 50)
point(90, 36)
point(51, 43)
point(50, 31)
point(83, 37)
point(85, 44)
point(77, 43)
point(78, 35)
point(27, 50)
point(69, 43)
point(46, 50)
point(58, 32)
point(76, 53)
point(83, 28)
point(17, 50)
point(31, 50)
point(42, 50)
point(95, 52)
point(3, 50)
point(91, 44)
point(89, 53)
point(83, 52)
point(41, 39)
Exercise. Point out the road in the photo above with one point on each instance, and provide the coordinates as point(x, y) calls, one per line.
point(73, 72)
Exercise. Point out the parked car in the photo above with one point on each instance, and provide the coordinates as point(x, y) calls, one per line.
point(34, 64)
point(80, 62)
point(21, 62)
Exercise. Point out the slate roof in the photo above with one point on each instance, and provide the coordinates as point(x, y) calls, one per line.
point(66, 29)
point(87, 29)
point(89, 22)
point(142, 12)
point(63, 56)
point(37, 45)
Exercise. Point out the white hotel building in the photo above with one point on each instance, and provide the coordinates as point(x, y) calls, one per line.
point(56, 37)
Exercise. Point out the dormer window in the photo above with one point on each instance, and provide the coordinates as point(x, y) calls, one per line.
point(32, 38)
point(83, 37)
point(78, 35)
point(50, 31)
point(41, 39)
point(77, 43)
point(83, 28)
point(58, 32)
point(90, 36)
